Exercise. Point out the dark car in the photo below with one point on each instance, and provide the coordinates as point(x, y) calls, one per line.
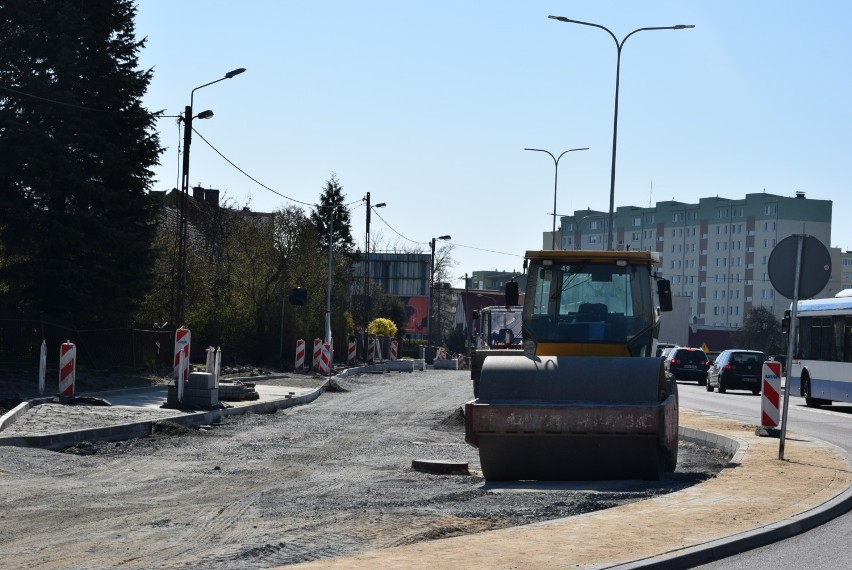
point(686, 363)
point(737, 369)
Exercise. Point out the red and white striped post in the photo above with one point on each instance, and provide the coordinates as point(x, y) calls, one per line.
point(317, 353)
point(371, 349)
point(300, 355)
point(770, 400)
point(325, 362)
point(394, 349)
point(350, 358)
point(67, 368)
point(182, 340)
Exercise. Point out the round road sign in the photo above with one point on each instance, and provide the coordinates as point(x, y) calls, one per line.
point(814, 272)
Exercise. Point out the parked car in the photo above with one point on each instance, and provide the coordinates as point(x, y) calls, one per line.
point(685, 363)
point(737, 369)
point(661, 348)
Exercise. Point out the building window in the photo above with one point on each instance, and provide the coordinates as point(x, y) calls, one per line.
point(637, 221)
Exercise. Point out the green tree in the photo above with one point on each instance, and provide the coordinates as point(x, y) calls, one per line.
point(761, 330)
point(332, 202)
point(76, 152)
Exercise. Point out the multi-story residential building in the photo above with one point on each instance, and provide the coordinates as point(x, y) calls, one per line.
point(714, 252)
point(845, 269)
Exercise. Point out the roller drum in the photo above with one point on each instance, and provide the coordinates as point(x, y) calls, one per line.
point(574, 418)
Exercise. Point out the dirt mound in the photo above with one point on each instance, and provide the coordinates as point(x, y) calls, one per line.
point(454, 419)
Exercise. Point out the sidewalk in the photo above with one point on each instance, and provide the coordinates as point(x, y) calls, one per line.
point(755, 501)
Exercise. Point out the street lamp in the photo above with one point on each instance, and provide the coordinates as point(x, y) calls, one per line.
point(555, 178)
point(618, 46)
point(367, 299)
point(493, 300)
point(184, 188)
point(432, 284)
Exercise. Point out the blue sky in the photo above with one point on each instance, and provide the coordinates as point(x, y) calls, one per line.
point(429, 105)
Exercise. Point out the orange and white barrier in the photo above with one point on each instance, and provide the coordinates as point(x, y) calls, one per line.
point(67, 368)
point(441, 354)
point(317, 353)
point(394, 349)
point(182, 340)
point(770, 400)
point(300, 355)
point(350, 358)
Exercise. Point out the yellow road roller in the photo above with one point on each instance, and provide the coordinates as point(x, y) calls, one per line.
point(588, 399)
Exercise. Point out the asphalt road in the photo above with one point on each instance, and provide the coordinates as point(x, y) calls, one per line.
point(823, 547)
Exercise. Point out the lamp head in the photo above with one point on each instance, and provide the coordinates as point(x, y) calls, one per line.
point(444, 237)
point(204, 114)
point(234, 72)
point(380, 205)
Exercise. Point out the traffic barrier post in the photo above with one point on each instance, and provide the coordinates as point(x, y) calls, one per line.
point(317, 353)
point(770, 400)
point(394, 349)
point(350, 359)
point(300, 355)
point(371, 349)
point(182, 340)
point(67, 369)
point(325, 362)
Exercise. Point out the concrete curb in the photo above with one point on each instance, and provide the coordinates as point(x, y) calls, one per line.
point(724, 547)
point(11, 416)
point(139, 429)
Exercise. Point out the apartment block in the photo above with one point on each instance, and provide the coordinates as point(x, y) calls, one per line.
point(714, 252)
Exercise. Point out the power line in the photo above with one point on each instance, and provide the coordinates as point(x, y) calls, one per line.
point(249, 176)
point(54, 101)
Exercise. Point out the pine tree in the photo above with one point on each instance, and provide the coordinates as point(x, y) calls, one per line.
point(76, 152)
point(331, 200)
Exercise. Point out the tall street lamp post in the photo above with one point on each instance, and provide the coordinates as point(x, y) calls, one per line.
point(618, 46)
point(555, 179)
point(432, 284)
point(328, 289)
point(184, 188)
point(367, 299)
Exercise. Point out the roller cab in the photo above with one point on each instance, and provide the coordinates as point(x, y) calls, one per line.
point(587, 399)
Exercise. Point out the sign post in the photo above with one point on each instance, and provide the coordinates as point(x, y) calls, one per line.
point(803, 279)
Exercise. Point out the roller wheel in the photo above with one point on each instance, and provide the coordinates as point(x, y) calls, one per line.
point(709, 387)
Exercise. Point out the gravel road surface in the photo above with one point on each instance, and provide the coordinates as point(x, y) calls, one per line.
point(327, 479)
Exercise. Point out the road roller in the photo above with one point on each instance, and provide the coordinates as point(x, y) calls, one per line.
point(588, 399)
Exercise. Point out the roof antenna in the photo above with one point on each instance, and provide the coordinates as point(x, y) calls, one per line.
point(651, 195)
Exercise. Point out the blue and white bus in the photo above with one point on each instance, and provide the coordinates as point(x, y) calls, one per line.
point(821, 367)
